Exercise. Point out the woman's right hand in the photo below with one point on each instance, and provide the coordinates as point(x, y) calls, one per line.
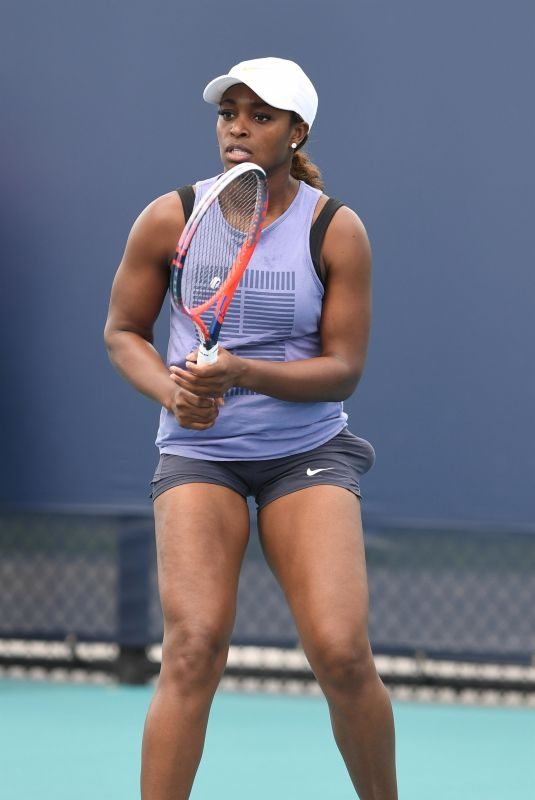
point(190, 411)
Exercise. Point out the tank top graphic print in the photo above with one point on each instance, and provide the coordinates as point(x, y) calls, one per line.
point(274, 316)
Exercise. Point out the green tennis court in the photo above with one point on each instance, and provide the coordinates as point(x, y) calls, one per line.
point(64, 741)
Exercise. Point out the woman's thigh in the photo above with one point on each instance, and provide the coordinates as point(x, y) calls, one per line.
point(313, 542)
point(201, 535)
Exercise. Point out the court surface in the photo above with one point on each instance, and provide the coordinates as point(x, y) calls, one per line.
point(64, 741)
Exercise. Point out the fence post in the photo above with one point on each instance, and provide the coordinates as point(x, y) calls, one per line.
point(135, 558)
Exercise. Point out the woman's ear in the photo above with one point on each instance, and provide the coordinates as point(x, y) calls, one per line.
point(300, 133)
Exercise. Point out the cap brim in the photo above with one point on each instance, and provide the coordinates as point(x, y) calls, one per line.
point(217, 88)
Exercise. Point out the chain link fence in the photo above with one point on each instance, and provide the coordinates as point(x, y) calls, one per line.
point(438, 594)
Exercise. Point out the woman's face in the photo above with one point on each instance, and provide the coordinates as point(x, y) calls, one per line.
point(248, 129)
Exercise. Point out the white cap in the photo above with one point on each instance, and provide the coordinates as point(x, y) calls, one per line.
point(281, 83)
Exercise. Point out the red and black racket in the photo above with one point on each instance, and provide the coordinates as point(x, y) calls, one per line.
point(214, 249)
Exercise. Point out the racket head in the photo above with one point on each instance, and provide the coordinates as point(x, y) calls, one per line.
point(215, 248)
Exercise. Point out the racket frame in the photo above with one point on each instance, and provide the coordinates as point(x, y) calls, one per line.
point(207, 351)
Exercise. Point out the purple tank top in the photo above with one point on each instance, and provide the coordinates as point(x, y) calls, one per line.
point(274, 315)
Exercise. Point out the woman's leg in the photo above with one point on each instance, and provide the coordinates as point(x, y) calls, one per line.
point(201, 535)
point(313, 542)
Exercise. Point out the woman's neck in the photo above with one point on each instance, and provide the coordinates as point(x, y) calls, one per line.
point(282, 191)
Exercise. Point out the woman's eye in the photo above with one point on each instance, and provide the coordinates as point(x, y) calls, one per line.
point(224, 114)
point(262, 117)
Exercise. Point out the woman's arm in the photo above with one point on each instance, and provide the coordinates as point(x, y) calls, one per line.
point(137, 295)
point(345, 323)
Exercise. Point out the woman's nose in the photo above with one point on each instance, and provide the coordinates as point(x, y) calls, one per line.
point(238, 127)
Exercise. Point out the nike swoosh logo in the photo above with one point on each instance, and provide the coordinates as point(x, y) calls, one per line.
point(311, 472)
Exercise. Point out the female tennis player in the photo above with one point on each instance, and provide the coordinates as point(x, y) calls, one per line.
point(266, 419)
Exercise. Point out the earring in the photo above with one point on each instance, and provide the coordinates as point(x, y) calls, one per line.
point(293, 146)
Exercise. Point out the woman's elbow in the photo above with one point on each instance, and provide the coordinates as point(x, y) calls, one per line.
point(348, 379)
point(348, 387)
point(109, 335)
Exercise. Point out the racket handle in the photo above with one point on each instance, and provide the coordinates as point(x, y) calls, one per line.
point(205, 356)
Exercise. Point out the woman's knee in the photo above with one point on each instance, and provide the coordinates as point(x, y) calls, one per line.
point(193, 656)
point(343, 667)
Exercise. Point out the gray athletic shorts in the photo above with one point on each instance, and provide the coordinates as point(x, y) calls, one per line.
point(339, 462)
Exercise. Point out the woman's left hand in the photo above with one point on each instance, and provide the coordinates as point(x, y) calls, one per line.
point(208, 380)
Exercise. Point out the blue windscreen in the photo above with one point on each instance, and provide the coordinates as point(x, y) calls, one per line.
point(425, 127)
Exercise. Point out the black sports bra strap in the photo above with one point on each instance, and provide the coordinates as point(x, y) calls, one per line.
point(187, 195)
point(318, 231)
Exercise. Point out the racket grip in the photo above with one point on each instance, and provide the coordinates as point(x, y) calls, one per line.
point(205, 356)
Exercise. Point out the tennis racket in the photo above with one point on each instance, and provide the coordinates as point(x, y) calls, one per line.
point(214, 249)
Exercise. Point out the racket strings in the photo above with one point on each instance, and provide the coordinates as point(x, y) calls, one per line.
point(238, 202)
point(225, 227)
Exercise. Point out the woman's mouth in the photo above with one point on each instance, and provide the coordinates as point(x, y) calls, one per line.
point(237, 153)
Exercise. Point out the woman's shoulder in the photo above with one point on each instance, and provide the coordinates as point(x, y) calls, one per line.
point(159, 225)
point(347, 223)
point(168, 207)
point(346, 243)
point(164, 216)
point(343, 217)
